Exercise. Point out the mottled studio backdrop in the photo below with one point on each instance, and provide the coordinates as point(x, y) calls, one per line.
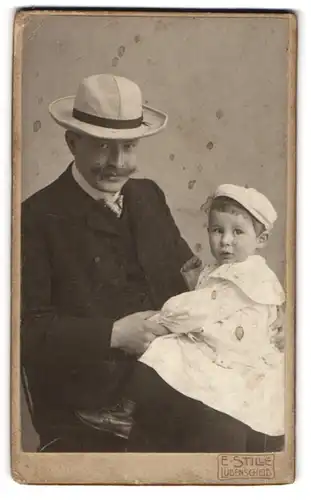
point(222, 81)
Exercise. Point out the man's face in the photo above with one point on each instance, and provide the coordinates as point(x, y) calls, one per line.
point(105, 164)
point(232, 236)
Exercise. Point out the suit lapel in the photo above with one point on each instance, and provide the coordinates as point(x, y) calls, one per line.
point(145, 225)
point(140, 220)
point(103, 219)
point(155, 237)
point(77, 206)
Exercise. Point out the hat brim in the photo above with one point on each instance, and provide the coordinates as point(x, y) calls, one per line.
point(61, 112)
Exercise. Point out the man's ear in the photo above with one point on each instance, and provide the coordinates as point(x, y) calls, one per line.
point(71, 138)
point(262, 239)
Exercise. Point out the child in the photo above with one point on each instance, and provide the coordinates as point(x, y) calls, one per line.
point(220, 351)
point(219, 355)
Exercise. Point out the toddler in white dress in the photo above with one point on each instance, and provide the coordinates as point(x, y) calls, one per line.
point(219, 350)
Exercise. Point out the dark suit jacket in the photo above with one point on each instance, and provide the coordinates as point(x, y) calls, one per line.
point(73, 287)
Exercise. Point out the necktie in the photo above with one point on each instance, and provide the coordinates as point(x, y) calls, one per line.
point(116, 205)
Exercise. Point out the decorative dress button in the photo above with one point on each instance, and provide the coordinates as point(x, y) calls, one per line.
point(97, 260)
point(214, 294)
point(239, 332)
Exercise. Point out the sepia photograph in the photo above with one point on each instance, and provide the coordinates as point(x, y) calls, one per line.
point(153, 247)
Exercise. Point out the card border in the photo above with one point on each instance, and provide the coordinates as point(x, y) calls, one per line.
point(146, 468)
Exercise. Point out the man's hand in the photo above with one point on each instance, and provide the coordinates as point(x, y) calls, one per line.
point(278, 339)
point(134, 333)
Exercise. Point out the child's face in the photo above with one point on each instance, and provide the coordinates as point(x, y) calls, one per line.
point(232, 236)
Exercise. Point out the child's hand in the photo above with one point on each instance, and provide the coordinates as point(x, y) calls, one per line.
point(191, 264)
point(191, 271)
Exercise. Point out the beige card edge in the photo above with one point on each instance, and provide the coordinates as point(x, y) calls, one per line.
point(113, 468)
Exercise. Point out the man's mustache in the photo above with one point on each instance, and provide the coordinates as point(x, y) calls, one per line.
point(112, 171)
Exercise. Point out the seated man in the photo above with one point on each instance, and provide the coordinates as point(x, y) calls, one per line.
point(100, 253)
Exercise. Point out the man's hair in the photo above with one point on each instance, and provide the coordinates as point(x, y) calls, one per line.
point(225, 204)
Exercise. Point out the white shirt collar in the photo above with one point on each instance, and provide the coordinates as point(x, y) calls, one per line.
point(253, 276)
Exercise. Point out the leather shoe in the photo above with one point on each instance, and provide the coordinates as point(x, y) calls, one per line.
point(117, 420)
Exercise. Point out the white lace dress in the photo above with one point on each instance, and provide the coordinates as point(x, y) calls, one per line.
point(220, 349)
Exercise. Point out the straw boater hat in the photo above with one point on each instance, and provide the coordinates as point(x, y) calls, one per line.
point(108, 107)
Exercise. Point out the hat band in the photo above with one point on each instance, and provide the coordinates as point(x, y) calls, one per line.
point(106, 122)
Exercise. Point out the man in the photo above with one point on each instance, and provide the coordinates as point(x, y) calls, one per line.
point(100, 253)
